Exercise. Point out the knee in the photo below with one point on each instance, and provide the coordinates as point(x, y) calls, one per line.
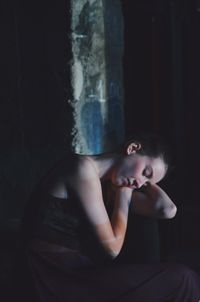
point(181, 273)
point(179, 269)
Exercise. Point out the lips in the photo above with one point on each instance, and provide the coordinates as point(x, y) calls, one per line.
point(130, 183)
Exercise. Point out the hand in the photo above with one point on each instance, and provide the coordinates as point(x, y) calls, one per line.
point(125, 194)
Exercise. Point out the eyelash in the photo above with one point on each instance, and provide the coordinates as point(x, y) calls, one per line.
point(148, 172)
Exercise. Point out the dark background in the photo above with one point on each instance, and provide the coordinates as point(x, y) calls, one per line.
point(161, 83)
point(162, 92)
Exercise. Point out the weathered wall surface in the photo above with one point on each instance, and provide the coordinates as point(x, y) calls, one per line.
point(96, 75)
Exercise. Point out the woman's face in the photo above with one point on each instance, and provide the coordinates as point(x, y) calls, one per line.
point(136, 170)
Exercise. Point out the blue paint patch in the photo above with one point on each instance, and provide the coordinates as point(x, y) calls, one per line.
point(92, 126)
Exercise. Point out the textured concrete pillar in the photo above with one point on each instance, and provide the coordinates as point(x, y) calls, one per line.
point(96, 95)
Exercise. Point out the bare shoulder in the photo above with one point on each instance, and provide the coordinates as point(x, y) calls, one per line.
point(83, 168)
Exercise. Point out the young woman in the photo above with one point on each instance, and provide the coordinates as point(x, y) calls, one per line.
point(75, 224)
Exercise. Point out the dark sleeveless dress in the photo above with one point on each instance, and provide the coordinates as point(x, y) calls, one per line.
point(67, 263)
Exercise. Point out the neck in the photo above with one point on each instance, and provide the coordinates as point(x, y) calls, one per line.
point(104, 164)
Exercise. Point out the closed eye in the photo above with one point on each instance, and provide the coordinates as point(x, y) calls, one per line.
point(148, 172)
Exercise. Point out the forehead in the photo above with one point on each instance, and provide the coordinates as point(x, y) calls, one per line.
point(158, 167)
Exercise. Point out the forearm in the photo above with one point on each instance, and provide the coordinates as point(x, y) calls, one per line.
point(153, 201)
point(119, 218)
point(162, 201)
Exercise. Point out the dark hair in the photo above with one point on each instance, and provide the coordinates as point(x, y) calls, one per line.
point(152, 145)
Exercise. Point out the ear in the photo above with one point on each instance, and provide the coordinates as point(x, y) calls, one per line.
point(133, 148)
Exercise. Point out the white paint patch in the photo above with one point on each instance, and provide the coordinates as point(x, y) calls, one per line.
point(93, 1)
point(77, 75)
point(101, 90)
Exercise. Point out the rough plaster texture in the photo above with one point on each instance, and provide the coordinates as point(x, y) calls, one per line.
point(96, 75)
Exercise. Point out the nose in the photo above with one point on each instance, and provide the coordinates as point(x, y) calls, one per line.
point(139, 183)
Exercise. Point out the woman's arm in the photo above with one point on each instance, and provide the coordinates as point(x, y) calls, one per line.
point(153, 201)
point(111, 232)
point(119, 217)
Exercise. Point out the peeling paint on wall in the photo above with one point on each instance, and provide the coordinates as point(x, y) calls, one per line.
point(95, 102)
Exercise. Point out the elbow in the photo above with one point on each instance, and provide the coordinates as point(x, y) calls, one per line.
point(113, 247)
point(169, 212)
point(114, 254)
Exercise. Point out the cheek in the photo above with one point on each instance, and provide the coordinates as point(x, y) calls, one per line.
point(138, 170)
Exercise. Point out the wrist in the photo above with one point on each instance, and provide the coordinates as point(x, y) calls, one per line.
point(126, 194)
